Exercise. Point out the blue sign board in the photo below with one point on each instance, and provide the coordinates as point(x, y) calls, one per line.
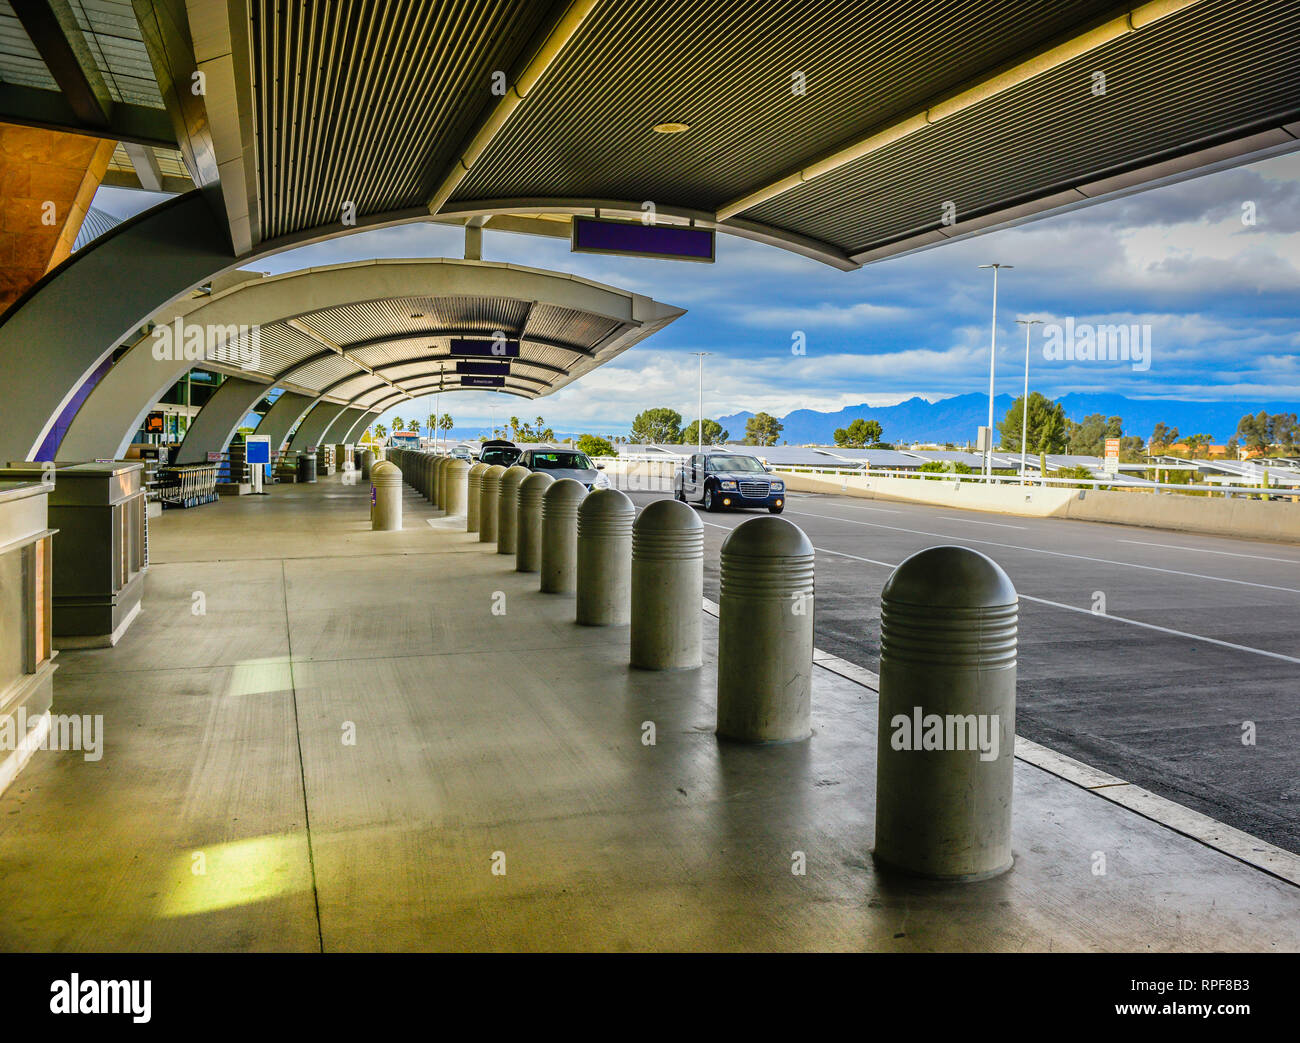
point(634, 239)
point(257, 450)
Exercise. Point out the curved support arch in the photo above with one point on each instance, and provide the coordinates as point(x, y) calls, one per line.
point(53, 336)
point(56, 334)
point(115, 409)
point(314, 425)
point(359, 428)
point(215, 424)
point(284, 414)
point(339, 427)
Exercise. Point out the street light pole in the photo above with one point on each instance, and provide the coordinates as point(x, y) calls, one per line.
point(699, 423)
point(993, 357)
point(1028, 324)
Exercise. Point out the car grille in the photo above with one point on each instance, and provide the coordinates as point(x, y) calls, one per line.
point(754, 490)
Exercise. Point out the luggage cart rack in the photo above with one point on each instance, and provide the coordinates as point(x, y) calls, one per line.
point(187, 485)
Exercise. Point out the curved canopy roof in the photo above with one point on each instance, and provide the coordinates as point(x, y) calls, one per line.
point(845, 130)
point(371, 331)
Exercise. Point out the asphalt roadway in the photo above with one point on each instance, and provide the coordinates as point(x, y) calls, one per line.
point(1187, 683)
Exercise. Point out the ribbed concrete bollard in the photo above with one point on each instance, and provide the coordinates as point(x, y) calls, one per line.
point(528, 521)
point(508, 508)
point(946, 740)
point(440, 481)
point(473, 496)
point(453, 485)
point(489, 502)
point(386, 497)
point(667, 587)
point(605, 559)
point(765, 632)
point(367, 462)
point(559, 564)
point(431, 479)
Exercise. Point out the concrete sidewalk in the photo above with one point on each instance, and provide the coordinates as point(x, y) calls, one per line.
point(340, 750)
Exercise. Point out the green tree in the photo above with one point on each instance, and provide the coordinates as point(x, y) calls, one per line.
point(858, 434)
point(1195, 443)
point(1089, 437)
point(945, 467)
point(381, 432)
point(1162, 437)
point(399, 424)
point(657, 425)
point(713, 433)
point(413, 425)
point(762, 429)
point(1047, 425)
point(594, 445)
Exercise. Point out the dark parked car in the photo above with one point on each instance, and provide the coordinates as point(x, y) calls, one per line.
point(723, 480)
point(564, 463)
point(498, 451)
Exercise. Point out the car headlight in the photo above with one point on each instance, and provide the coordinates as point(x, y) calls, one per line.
point(778, 487)
point(601, 482)
point(727, 485)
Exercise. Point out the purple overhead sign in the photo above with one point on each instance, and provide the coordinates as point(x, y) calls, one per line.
point(499, 347)
point(672, 242)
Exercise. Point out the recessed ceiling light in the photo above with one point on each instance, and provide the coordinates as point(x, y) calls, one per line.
point(670, 128)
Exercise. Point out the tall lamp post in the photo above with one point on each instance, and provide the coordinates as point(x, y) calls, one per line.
point(1028, 324)
point(993, 357)
point(699, 424)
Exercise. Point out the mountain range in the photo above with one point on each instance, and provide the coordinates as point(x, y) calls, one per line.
point(956, 419)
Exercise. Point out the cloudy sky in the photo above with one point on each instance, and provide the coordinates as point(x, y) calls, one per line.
point(1212, 265)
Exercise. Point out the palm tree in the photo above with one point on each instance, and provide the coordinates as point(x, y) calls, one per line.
point(398, 423)
point(446, 423)
point(514, 428)
point(381, 432)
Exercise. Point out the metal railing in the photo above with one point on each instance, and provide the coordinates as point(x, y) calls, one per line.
point(1222, 488)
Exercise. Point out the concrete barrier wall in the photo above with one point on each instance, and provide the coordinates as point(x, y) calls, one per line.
point(1252, 519)
point(649, 476)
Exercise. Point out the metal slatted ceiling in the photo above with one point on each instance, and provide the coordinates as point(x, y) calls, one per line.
point(317, 375)
point(418, 315)
point(282, 347)
point(399, 351)
point(113, 36)
point(1222, 66)
point(571, 327)
point(349, 389)
point(170, 163)
point(726, 70)
point(20, 62)
point(370, 102)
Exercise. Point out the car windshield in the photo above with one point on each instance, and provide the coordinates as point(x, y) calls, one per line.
point(561, 462)
point(734, 463)
point(498, 455)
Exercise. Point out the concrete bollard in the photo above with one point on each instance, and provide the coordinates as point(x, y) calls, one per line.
point(367, 462)
point(559, 564)
point(453, 484)
point(508, 508)
point(605, 559)
point(386, 497)
point(528, 521)
point(440, 481)
point(765, 632)
point(431, 480)
point(946, 740)
point(473, 497)
point(667, 587)
point(489, 501)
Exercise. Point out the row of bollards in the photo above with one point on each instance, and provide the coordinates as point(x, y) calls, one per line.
point(948, 632)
